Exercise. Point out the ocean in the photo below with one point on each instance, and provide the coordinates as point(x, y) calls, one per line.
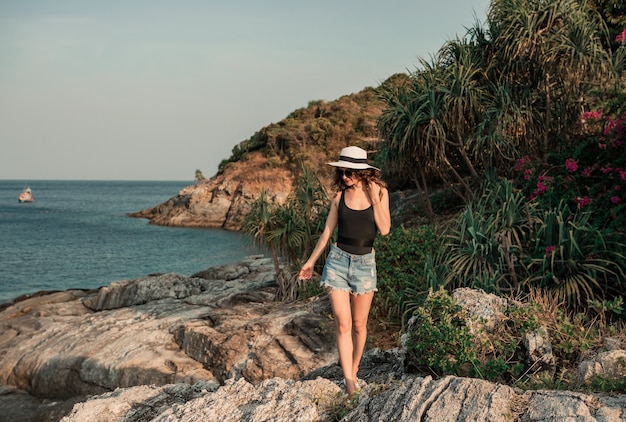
point(76, 234)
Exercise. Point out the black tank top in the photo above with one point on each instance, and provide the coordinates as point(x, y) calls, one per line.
point(356, 229)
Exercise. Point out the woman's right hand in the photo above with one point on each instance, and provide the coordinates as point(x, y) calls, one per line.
point(306, 272)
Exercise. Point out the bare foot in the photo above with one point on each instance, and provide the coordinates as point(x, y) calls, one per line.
point(351, 387)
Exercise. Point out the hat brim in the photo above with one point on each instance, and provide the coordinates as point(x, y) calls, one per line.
point(352, 166)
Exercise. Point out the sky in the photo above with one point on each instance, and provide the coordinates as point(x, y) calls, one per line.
point(155, 89)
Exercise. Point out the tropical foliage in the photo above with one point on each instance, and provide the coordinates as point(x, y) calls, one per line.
point(289, 230)
point(511, 89)
point(504, 244)
point(404, 277)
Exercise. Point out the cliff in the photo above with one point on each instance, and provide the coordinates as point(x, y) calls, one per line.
point(223, 200)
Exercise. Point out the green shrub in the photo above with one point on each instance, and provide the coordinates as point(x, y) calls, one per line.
point(401, 259)
point(439, 341)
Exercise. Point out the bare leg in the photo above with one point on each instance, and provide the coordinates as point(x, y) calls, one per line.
point(360, 311)
point(340, 303)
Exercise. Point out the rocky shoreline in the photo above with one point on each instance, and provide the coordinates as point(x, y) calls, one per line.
point(216, 346)
point(223, 200)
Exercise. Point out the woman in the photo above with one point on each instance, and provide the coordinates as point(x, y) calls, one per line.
point(359, 209)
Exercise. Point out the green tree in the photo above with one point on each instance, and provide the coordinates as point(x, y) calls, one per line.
point(514, 88)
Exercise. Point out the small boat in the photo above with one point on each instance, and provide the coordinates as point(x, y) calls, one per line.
point(26, 195)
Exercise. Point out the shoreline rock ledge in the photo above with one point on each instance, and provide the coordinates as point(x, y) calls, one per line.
point(223, 323)
point(216, 346)
point(223, 200)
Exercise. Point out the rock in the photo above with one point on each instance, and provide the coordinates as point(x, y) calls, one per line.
point(260, 340)
point(539, 348)
point(610, 365)
point(159, 330)
point(274, 399)
point(223, 200)
point(173, 348)
point(446, 399)
point(18, 406)
point(141, 403)
point(410, 398)
point(126, 293)
point(484, 311)
point(613, 343)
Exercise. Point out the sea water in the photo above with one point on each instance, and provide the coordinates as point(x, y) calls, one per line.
point(76, 234)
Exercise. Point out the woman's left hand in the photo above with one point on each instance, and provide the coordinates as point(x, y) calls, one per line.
point(373, 189)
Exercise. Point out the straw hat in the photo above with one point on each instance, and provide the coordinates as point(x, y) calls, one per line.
point(354, 158)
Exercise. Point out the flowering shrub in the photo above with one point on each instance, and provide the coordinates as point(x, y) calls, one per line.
point(592, 177)
point(581, 194)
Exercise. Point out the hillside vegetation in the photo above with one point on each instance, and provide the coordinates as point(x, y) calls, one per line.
point(313, 135)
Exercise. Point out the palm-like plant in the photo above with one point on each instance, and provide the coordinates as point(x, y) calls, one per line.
point(289, 230)
point(503, 133)
point(511, 90)
point(572, 258)
point(547, 51)
point(484, 246)
point(401, 126)
point(431, 123)
point(298, 223)
point(464, 96)
point(429, 119)
point(259, 223)
point(311, 202)
point(472, 252)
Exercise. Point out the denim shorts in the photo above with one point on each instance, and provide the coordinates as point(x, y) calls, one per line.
point(350, 273)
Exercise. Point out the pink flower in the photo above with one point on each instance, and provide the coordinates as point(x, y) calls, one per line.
point(541, 188)
point(621, 37)
point(521, 162)
point(527, 174)
point(571, 165)
point(615, 199)
point(617, 187)
point(550, 249)
point(587, 172)
point(601, 146)
point(582, 201)
point(590, 115)
point(622, 174)
point(606, 170)
point(610, 125)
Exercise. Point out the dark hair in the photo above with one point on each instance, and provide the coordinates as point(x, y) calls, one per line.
point(368, 176)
